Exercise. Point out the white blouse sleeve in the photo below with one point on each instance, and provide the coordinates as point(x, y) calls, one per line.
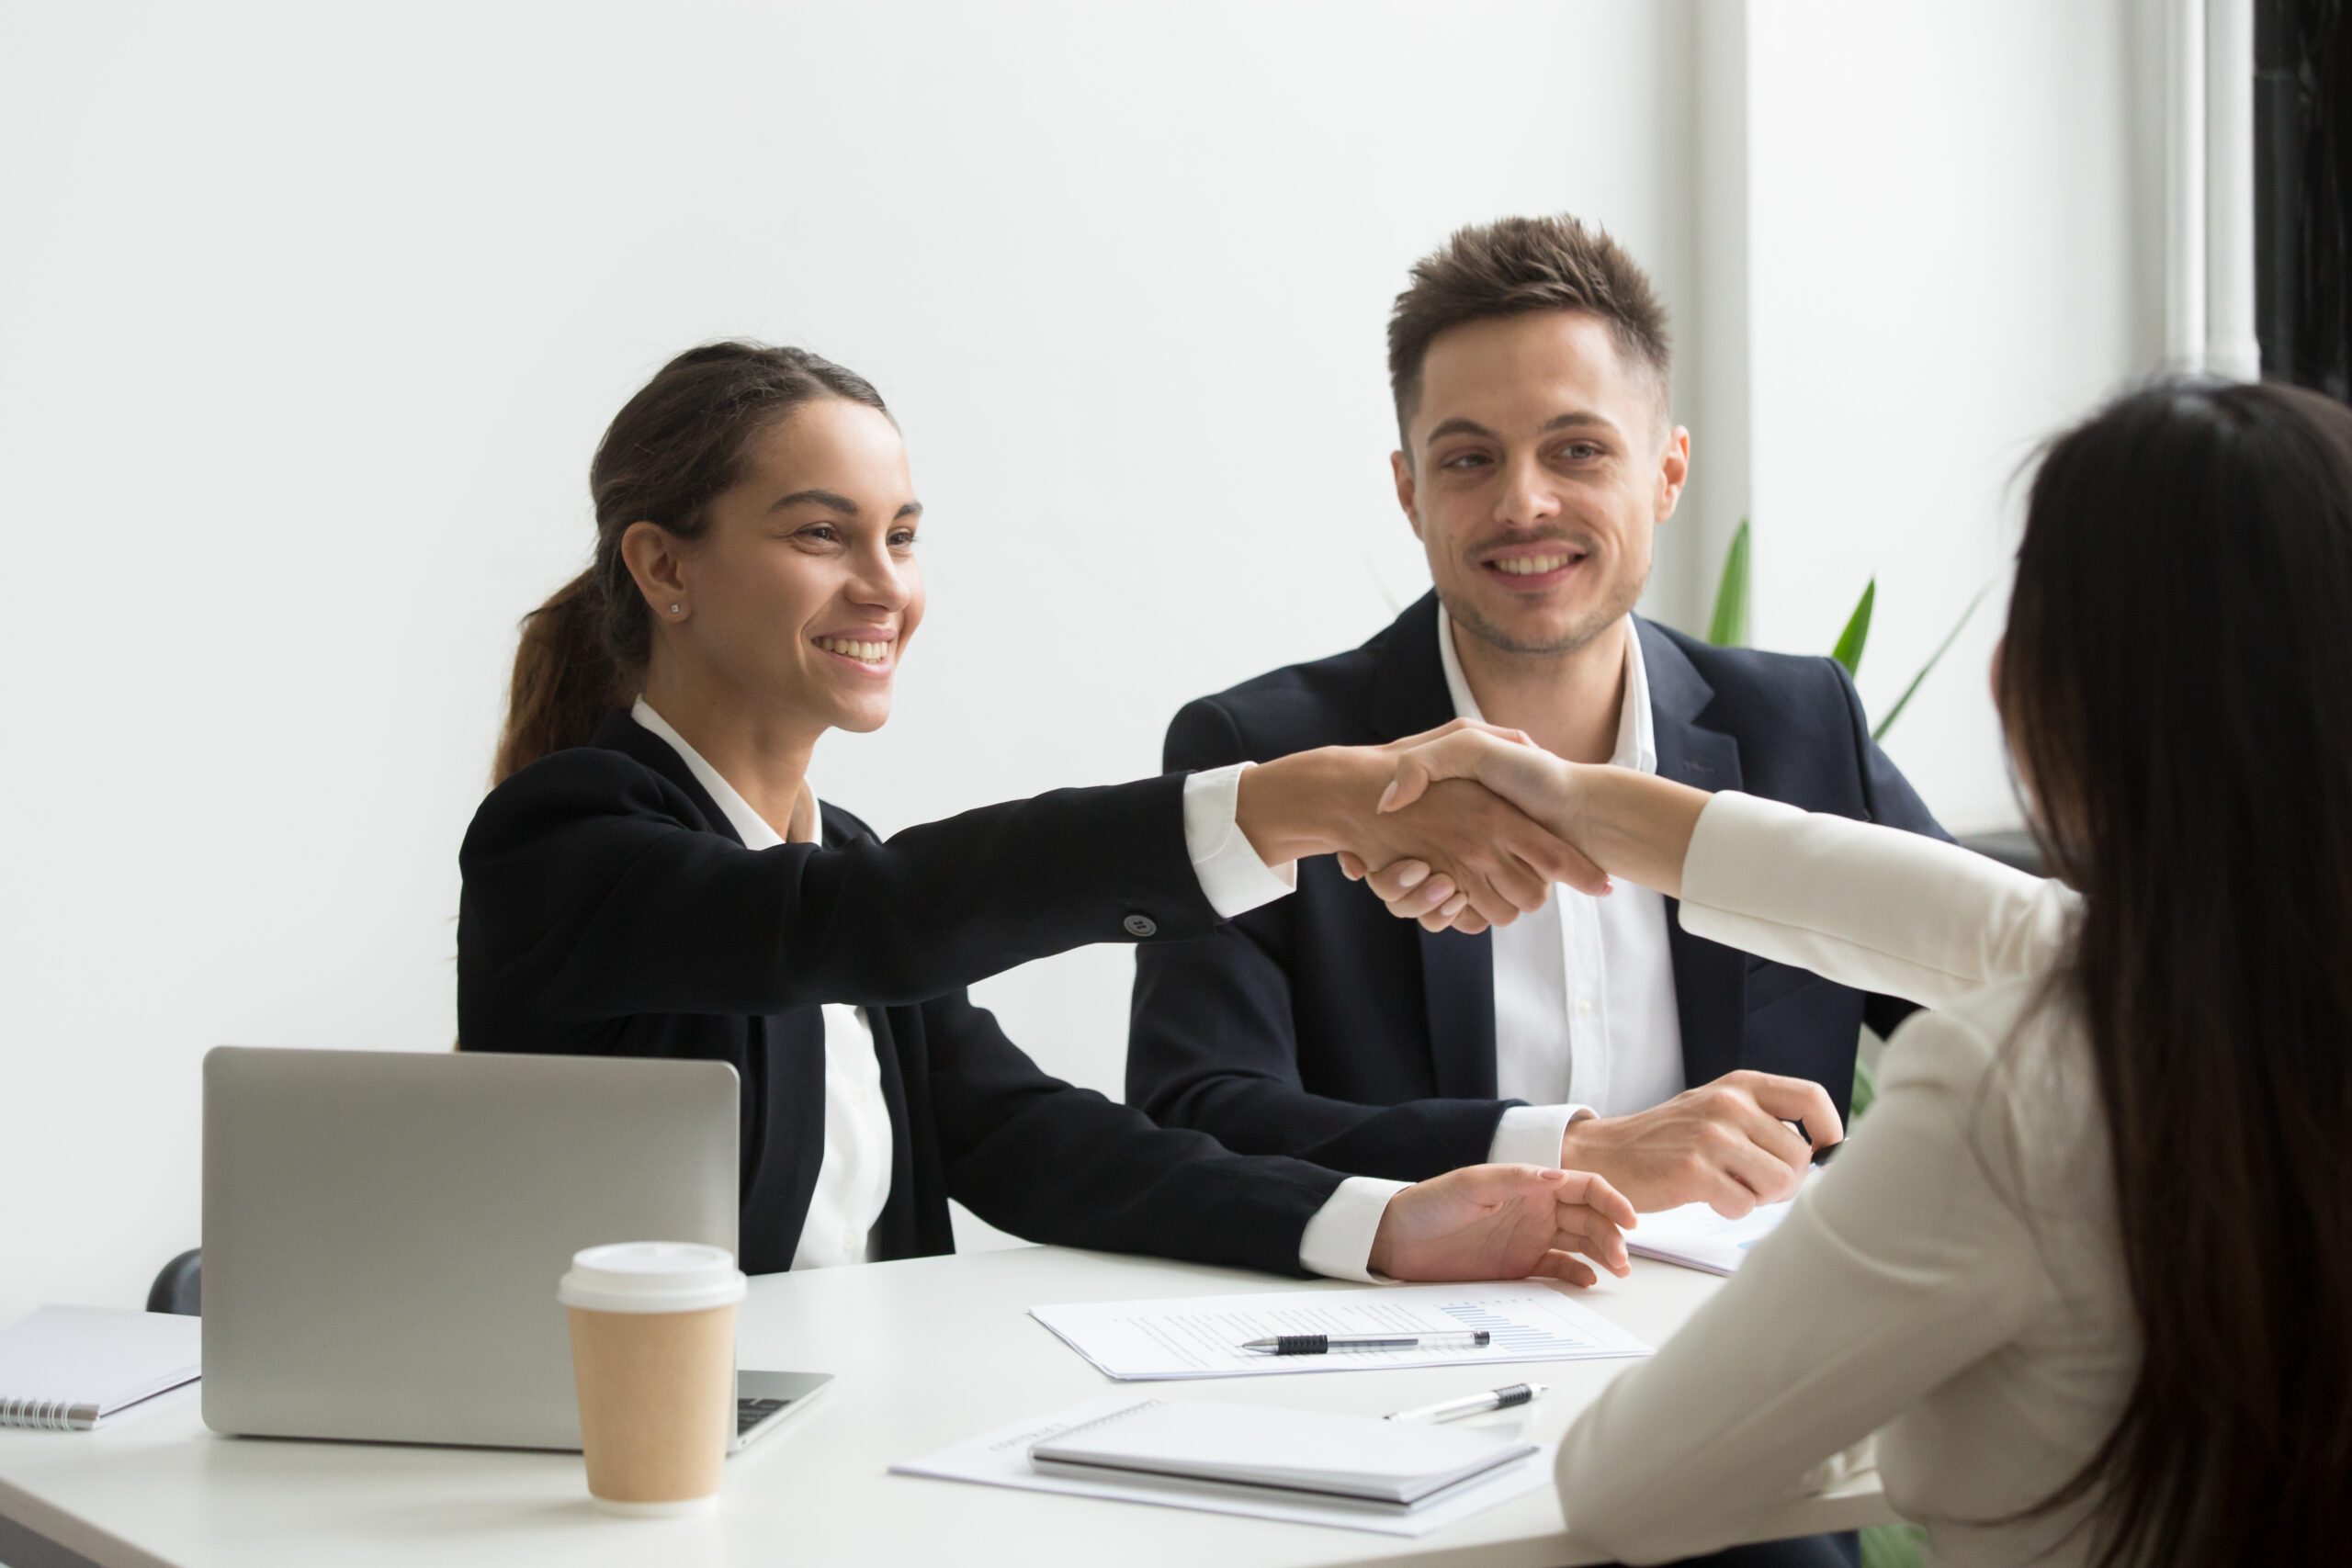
point(1898, 1266)
point(1869, 906)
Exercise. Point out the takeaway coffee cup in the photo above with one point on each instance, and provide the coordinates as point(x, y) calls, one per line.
point(653, 1359)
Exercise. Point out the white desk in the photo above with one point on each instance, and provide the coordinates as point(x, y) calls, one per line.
point(925, 1353)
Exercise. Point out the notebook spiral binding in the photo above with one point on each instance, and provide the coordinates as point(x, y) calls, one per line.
point(46, 1414)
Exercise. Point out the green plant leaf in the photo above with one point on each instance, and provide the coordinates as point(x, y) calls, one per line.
point(1949, 638)
point(1849, 651)
point(1728, 626)
point(1893, 1546)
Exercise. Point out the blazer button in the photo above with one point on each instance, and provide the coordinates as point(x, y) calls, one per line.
point(1141, 926)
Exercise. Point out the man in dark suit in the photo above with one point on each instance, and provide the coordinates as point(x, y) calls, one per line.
point(1531, 368)
point(1537, 456)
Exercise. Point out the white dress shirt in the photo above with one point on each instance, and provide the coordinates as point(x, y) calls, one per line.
point(1585, 1022)
point(854, 1178)
point(1954, 1283)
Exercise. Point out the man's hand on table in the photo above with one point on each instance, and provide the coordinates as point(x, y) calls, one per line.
point(1727, 1145)
point(1503, 1222)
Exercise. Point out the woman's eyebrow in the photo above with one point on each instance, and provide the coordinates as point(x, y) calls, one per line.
point(839, 503)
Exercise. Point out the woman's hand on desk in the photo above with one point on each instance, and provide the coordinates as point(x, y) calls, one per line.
point(1503, 1222)
point(1496, 862)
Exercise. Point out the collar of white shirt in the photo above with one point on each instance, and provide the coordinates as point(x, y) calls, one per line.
point(749, 825)
point(1636, 729)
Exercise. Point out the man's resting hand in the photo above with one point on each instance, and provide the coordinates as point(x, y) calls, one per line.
point(1503, 1222)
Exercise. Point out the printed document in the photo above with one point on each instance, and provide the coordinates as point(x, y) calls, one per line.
point(1200, 1337)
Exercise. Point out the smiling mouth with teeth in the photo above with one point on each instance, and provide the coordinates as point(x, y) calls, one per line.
point(1532, 566)
point(863, 652)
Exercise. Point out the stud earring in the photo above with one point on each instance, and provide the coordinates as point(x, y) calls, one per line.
point(674, 609)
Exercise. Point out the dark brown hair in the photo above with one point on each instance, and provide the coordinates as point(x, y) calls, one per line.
point(1512, 267)
point(2178, 682)
point(673, 449)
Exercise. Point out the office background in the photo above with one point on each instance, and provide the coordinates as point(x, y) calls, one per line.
point(310, 318)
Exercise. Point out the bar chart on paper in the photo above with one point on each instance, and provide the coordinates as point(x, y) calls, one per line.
point(1200, 1337)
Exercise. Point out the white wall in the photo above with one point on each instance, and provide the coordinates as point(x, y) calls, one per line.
point(309, 317)
point(1952, 240)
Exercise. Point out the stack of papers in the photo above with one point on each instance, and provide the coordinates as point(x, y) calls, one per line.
point(1200, 1337)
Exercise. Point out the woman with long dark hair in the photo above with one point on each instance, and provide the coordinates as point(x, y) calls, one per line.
point(2085, 1269)
point(653, 877)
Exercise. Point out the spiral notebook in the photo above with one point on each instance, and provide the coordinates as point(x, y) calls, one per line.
point(69, 1368)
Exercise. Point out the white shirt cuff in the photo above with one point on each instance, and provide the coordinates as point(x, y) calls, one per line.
point(1530, 1134)
point(1231, 874)
point(1336, 1243)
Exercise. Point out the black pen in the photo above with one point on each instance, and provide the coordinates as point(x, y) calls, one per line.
point(1821, 1155)
point(1323, 1344)
point(1476, 1405)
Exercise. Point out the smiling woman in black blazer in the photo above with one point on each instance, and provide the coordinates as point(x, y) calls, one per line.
point(653, 877)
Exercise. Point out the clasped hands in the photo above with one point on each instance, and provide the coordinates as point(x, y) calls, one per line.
point(1452, 831)
point(1468, 828)
point(1462, 827)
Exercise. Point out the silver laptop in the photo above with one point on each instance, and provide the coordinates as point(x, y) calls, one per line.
point(383, 1230)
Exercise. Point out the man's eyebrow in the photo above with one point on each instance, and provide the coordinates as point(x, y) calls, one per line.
point(1572, 420)
point(839, 503)
point(1458, 427)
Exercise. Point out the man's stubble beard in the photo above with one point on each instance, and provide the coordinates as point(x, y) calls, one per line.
point(1574, 640)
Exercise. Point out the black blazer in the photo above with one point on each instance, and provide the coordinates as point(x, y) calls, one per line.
point(609, 909)
point(1320, 1026)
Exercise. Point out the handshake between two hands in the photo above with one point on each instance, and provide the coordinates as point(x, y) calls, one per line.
point(1469, 827)
point(1464, 827)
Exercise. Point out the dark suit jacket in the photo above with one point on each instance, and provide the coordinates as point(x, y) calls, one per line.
point(1320, 1026)
point(609, 909)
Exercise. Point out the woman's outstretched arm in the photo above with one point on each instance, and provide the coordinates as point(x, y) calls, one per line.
point(591, 894)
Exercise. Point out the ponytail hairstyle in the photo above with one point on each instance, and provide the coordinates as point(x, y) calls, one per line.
point(673, 449)
point(2177, 680)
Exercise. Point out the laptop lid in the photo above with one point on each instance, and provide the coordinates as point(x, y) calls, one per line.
point(383, 1230)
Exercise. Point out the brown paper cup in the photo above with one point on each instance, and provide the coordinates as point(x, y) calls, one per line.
point(654, 1366)
point(657, 1403)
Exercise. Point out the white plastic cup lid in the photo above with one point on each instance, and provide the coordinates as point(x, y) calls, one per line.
point(652, 1276)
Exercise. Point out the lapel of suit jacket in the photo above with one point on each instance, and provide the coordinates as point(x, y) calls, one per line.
point(1408, 695)
point(799, 1037)
point(622, 733)
point(1709, 980)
